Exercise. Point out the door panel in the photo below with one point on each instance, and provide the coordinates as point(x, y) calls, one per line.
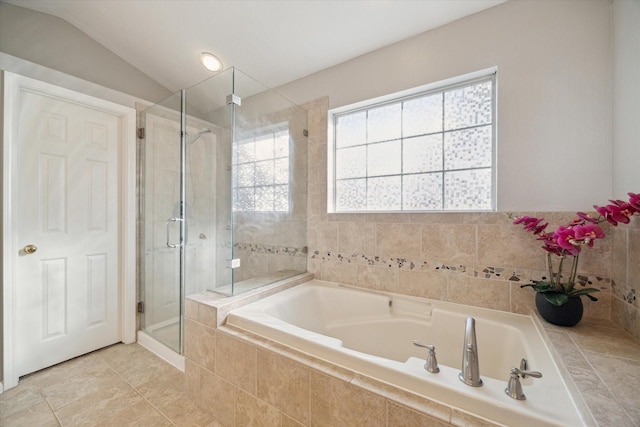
point(161, 201)
point(67, 291)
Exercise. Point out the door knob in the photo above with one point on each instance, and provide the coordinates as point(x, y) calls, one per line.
point(29, 249)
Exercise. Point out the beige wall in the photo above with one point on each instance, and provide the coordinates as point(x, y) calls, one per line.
point(556, 155)
point(54, 43)
point(626, 96)
point(478, 259)
point(554, 93)
point(625, 303)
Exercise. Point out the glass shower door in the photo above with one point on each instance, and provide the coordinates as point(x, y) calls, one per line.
point(222, 196)
point(161, 222)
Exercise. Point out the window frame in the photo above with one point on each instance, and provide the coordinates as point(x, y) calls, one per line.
point(489, 74)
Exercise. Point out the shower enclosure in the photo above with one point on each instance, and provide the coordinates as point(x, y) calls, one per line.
point(223, 176)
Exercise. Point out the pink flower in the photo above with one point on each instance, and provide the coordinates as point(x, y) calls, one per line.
point(618, 211)
point(606, 213)
point(586, 218)
point(634, 201)
point(587, 234)
point(550, 244)
point(584, 229)
point(566, 238)
point(522, 219)
point(531, 224)
point(539, 228)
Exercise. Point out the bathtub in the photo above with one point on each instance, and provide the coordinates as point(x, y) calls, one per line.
point(372, 333)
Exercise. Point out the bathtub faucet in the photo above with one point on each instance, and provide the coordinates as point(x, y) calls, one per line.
point(470, 374)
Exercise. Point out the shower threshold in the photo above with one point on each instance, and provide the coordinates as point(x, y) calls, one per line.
point(161, 350)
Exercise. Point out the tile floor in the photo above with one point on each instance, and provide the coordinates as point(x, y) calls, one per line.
point(121, 385)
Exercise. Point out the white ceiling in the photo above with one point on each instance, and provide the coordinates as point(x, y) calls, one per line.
point(273, 41)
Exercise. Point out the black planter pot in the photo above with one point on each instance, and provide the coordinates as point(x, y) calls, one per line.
point(568, 314)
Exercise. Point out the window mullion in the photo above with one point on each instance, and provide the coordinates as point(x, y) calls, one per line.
point(442, 136)
point(464, 149)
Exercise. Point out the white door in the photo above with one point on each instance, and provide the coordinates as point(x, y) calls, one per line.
point(67, 290)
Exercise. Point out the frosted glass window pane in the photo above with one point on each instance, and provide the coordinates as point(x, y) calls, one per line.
point(260, 174)
point(264, 173)
point(281, 171)
point(281, 198)
point(422, 154)
point(351, 195)
point(468, 106)
point(245, 152)
point(351, 130)
point(281, 148)
point(264, 198)
point(408, 150)
point(470, 148)
point(384, 123)
point(384, 158)
point(351, 162)
point(384, 194)
point(422, 115)
point(264, 148)
point(234, 178)
point(422, 192)
point(244, 199)
point(468, 190)
point(246, 174)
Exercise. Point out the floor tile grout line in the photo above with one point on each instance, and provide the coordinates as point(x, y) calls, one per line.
point(154, 407)
point(140, 394)
point(55, 415)
point(602, 381)
point(55, 411)
point(72, 376)
point(113, 370)
point(107, 365)
point(616, 356)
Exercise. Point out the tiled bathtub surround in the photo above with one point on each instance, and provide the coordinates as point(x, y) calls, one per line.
point(242, 379)
point(478, 259)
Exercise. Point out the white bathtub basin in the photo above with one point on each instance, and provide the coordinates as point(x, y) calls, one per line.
point(372, 333)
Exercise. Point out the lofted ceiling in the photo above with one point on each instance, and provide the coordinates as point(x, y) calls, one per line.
point(273, 41)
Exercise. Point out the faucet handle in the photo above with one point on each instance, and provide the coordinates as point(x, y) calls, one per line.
point(524, 373)
point(431, 365)
point(514, 388)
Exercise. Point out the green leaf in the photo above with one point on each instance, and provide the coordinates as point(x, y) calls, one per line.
point(583, 291)
point(556, 298)
point(540, 286)
point(548, 290)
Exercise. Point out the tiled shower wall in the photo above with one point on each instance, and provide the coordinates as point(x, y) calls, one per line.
point(478, 259)
point(271, 242)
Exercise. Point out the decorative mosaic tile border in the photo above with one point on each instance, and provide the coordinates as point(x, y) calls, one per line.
point(269, 249)
point(486, 272)
point(625, 293)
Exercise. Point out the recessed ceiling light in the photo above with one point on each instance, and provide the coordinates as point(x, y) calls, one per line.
point(210, 61)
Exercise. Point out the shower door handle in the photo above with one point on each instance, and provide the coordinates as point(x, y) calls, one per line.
point(169, 244)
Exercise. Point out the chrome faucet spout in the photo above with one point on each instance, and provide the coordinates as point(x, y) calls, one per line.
point(470, 374)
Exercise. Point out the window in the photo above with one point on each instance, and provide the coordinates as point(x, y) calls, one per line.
point(261, 162)
point(427, 151)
